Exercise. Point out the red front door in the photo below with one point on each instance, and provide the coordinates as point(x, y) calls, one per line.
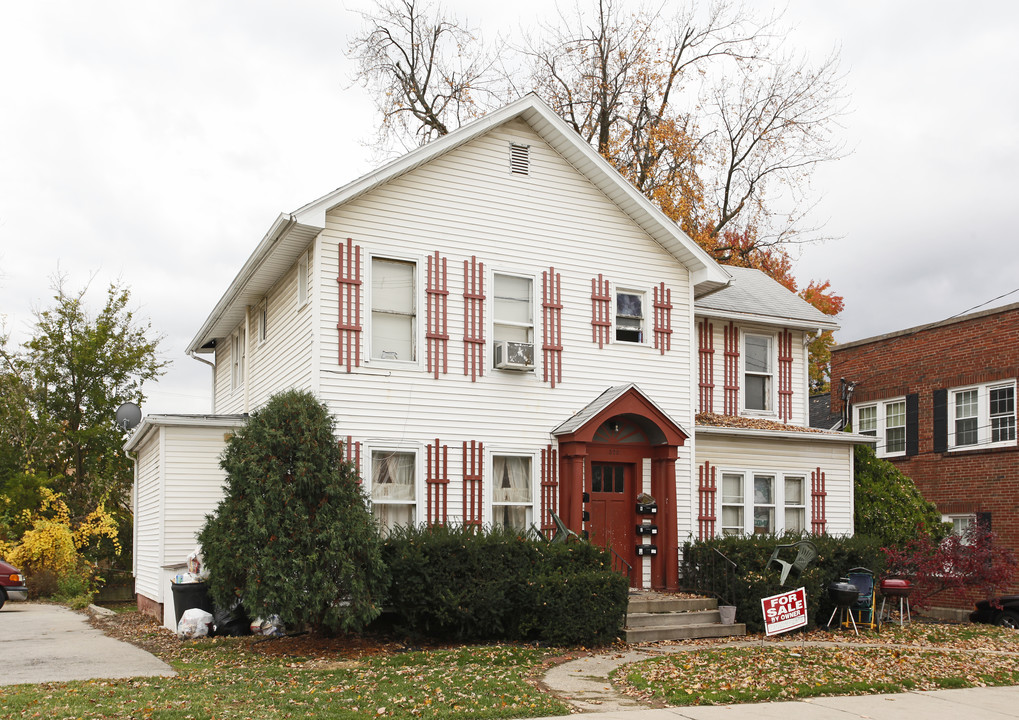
point(612, 507)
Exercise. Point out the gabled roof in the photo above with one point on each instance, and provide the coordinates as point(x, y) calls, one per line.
point(754, 296)
point(611, 396)
point(281, 246)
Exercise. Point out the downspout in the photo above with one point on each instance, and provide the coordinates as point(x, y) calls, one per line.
point(194, 355)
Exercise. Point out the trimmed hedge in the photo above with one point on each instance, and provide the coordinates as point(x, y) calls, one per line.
point(751, 581)
point(456, 583)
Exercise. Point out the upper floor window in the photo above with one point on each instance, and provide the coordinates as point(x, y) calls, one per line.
point(393, 492)
point(237, 352)
point(393, 310)
point(513, 322)
point(263, 320)
point(885, 420)
point(982, 415)
point(511, 491)
point(629, 316)
point(759, 371)
point(302, 280)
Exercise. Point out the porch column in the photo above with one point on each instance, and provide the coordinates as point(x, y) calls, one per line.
point(665, 565)
point(571, 486)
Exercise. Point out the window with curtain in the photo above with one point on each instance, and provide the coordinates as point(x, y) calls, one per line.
point(394, 310)
point(795, 504)
point(758, 371)
point(764, 504)
point(513, 309)
point(512, 500)
point(393, 491)
point(732, 504)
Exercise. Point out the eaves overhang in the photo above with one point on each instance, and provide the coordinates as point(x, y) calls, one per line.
point(150, 423)
point(762, 319)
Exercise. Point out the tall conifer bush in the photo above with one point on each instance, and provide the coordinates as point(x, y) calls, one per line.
point(293, 536)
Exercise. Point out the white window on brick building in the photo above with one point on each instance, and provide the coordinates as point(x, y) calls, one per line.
point(982, 416)
point(886, 420)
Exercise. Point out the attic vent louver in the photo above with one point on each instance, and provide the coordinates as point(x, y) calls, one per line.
point(520, 159)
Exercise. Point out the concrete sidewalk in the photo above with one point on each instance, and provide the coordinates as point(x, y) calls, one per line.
point(49, 643)
point(965, 704)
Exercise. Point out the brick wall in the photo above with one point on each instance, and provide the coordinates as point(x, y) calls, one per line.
point(978, 348)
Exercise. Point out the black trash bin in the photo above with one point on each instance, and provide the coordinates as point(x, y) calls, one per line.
point(190, 595)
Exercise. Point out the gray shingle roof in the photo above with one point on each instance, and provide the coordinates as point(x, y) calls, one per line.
point(754, 293)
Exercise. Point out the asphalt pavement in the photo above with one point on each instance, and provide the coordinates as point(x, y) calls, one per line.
point(49, 643)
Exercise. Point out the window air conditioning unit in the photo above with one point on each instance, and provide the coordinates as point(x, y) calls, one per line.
point(511, 355)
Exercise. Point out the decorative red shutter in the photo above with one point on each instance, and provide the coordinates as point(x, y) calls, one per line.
point(552, 327)
point(352, 454)
point(473, 472)
point(437, 483)
point(549, 489)
point(818, 522)
point(785, 376)
point(706, 372)
point(663, 318)
point(349, 325)
point(731, 386)
point(601, 321)
point(436, 294)
point(474, 318)
point(706, 492)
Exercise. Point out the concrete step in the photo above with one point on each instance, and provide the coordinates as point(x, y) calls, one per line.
point(667, 604)
point(655, 633)
point(690, 617)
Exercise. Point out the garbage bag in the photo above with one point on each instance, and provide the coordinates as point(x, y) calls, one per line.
point(194, 623)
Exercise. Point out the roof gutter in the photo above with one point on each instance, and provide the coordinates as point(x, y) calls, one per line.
point(194, 355)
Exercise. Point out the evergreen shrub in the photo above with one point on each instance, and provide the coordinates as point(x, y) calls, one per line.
point(465, 584)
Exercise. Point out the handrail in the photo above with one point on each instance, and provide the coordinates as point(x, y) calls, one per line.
point(618, 560)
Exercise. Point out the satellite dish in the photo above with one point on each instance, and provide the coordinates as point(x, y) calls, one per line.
point(128, 416)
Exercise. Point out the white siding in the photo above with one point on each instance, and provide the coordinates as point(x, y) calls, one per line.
point(789, 456)
point(468, 204)
point(148, 517)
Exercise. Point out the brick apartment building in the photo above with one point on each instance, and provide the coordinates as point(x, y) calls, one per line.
point(941, 398)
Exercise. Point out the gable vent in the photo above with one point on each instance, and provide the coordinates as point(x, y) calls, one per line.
point(520, 159)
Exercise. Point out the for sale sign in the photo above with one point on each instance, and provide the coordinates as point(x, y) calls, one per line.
point(785, 612)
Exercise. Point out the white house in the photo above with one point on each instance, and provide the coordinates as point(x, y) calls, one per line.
point(504, 328)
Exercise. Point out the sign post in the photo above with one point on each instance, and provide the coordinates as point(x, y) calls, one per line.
point(785, 612)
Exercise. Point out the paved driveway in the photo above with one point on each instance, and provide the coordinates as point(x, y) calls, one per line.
point(49, 643)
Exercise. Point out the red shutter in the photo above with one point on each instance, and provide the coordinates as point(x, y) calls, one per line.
point(706, 372)
point(785, 376)
point(349, 325)
point(436, 294)
point(352, 454)
point(818, 522)
point(552, 326)
point(473, 472)
point(663, 318)
point(549, 489)
point(706, 492)
point(437, 483)
point(601, 321)
point(731, 386)
point(474, 318)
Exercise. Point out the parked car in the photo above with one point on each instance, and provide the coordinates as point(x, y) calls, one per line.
point(12, 584)
point(1004, 611)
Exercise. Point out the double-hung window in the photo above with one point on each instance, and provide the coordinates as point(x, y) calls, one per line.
point(511, 491)
point(629, 316)
point(763, 503)
point(394, 490)
point(732, 504)
point(758, 372)
point(885, 420)
point(237, 353)
point(513, 321)
point(394, 310)
point(982, 416)
point(795, 504)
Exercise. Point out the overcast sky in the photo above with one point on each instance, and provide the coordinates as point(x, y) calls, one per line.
point(156, 143)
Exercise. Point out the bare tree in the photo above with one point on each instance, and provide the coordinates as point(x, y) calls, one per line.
point(426, 71)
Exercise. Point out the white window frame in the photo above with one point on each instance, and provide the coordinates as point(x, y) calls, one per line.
point(772, 398)
point(419, 320)
point(643, 295)
point(303, 264)
point(800, 507)
point(368, 474)
point(748, 505)
point(492, 503)
point(881, 424)
point(238, 355)
point(984, 429)
point(262, 320)
point(494, 323)
point(961, 522)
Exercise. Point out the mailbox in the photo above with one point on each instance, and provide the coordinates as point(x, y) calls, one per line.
point(643, 529)
point(647, 550)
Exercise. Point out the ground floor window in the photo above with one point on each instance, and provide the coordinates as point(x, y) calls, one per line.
point(512, 499)
point(763, 503)
point(393, 491)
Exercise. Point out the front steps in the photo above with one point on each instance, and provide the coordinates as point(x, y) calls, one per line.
point(653, 617)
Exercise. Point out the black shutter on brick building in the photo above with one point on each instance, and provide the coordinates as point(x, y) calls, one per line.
point(940, 421)
point(984, 520)
point(912, 424)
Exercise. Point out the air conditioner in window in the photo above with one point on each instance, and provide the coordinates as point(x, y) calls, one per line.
point(511, 355)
